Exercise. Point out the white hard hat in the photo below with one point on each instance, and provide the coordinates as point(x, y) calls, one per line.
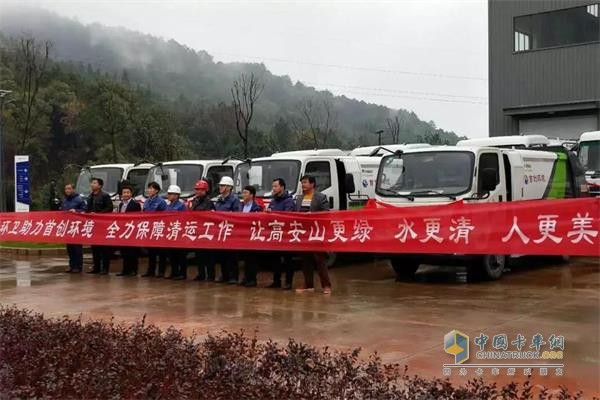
point(174, 189)
point(226, 181)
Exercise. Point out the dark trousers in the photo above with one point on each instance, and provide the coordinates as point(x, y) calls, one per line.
point(101, 257)
point(206, 265)
point(250, 265)
point(130, 257)
point(282, 262)
point(228, 262)
point(310, 261)
point(178, 261)
point(75, 252)
point(157, 255)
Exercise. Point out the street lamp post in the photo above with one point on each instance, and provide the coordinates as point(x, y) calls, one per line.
point(379, 133)
point(3, 94)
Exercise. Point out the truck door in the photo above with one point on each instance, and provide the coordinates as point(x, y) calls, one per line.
point(489, 160)
point(214, 174)
point(327, 182)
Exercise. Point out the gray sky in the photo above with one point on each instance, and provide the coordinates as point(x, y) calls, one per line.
point(426, 56)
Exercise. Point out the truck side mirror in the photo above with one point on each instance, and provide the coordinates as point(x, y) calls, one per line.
point(489, 180)
point(349, 184)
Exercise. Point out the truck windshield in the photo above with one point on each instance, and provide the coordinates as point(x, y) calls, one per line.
point(589, 155)
point(261, 174)
point(182, 175)
point(426, 174)
point(111, 177)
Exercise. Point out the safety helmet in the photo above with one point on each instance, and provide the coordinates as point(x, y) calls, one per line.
point(174, 189)
point(201, 184)
point(226, 181)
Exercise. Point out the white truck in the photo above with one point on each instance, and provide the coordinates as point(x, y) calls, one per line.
point(347, 181)
point(508, 142)
point(186, 173)
point(440, 175)
point(588, 152)
point(379, 151)
point(113, 176)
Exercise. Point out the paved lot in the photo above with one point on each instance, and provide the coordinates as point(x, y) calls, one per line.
point(404, 322)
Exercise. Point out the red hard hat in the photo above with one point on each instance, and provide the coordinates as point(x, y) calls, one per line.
point(201, 184)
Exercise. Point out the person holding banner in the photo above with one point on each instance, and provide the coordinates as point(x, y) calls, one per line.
point(227, 202)
point(99, 202)
point(249, 205)
point(73, 202)
point(202, 202)
point(129, 254)
point(177, 257)
point(155, 203)
point(313, 201)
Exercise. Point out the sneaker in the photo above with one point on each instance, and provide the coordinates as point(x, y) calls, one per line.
point(305, 289)
point(220, 280)
point(122, 274)
point(232, 282)
point(327, 290)
point(287, 286)
point(94, 271)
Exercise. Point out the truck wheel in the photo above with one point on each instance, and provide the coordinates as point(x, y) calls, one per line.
point(491, 267)
point(404, 268)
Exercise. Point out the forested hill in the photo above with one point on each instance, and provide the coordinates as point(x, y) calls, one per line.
point(178, 72)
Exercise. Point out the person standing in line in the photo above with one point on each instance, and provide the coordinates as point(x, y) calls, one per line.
point(227, 202)
point(129, 254)
point(99, 202)
point(313, 201)
point(177, 257)
point(281, 201)
point(155, 203)
point(73, 202)
point(249, 205)
point(204, 258)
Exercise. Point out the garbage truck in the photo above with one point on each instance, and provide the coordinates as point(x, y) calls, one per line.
point(444, 174)
point(113, 176)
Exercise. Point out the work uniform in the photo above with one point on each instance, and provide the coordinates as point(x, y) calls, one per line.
point(281, 261)
point(227, 259)
point(204, 257)
point(177, 257)
point(74, 202)
point(100, 203)
point(155, 254)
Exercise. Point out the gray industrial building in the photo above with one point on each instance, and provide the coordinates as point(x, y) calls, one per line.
point(544, 67)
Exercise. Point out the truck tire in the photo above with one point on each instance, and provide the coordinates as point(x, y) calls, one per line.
point(404, 268)
point(489, 267)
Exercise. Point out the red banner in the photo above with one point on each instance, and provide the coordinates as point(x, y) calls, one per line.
point(547, 227)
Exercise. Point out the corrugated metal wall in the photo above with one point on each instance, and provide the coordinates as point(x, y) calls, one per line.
point(559, 75)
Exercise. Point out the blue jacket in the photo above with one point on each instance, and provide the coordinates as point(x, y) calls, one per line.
point(255, 207)
point(73, 202)
point(229, 203)
point(176, 206)
point(155, 203)
point(284, 202)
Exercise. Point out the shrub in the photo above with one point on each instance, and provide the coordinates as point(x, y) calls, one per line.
point(66, 358)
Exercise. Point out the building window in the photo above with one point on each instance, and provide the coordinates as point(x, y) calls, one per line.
point(557, 28)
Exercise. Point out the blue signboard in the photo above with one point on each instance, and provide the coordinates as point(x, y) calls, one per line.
point(22, 182)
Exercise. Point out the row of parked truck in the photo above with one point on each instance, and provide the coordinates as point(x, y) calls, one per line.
point(493, 169)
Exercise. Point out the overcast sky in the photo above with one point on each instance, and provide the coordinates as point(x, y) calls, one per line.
point(426, 56)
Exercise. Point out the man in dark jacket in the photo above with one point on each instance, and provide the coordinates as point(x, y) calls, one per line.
point(281, 201)
point(313, 201)
point(249, 205)
point(204, 258)
point(129, 254)
point(227, 202)
point(99, 202)
point(73, 202)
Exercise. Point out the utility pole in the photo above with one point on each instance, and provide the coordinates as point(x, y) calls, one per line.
point(3, 94)
point(379, 133)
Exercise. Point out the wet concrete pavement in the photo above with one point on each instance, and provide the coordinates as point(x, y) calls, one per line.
point(404, 322)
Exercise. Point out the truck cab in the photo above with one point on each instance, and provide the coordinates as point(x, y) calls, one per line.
point(186, 173)
point(441, 175)
point(347, 181)
point(113, 175)
point(588, 152)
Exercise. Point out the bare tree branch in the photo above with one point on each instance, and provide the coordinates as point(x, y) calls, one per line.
point(245, 93)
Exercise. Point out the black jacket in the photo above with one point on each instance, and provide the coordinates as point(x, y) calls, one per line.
point(99, 203)
point(132, 206)
point(202, 204)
